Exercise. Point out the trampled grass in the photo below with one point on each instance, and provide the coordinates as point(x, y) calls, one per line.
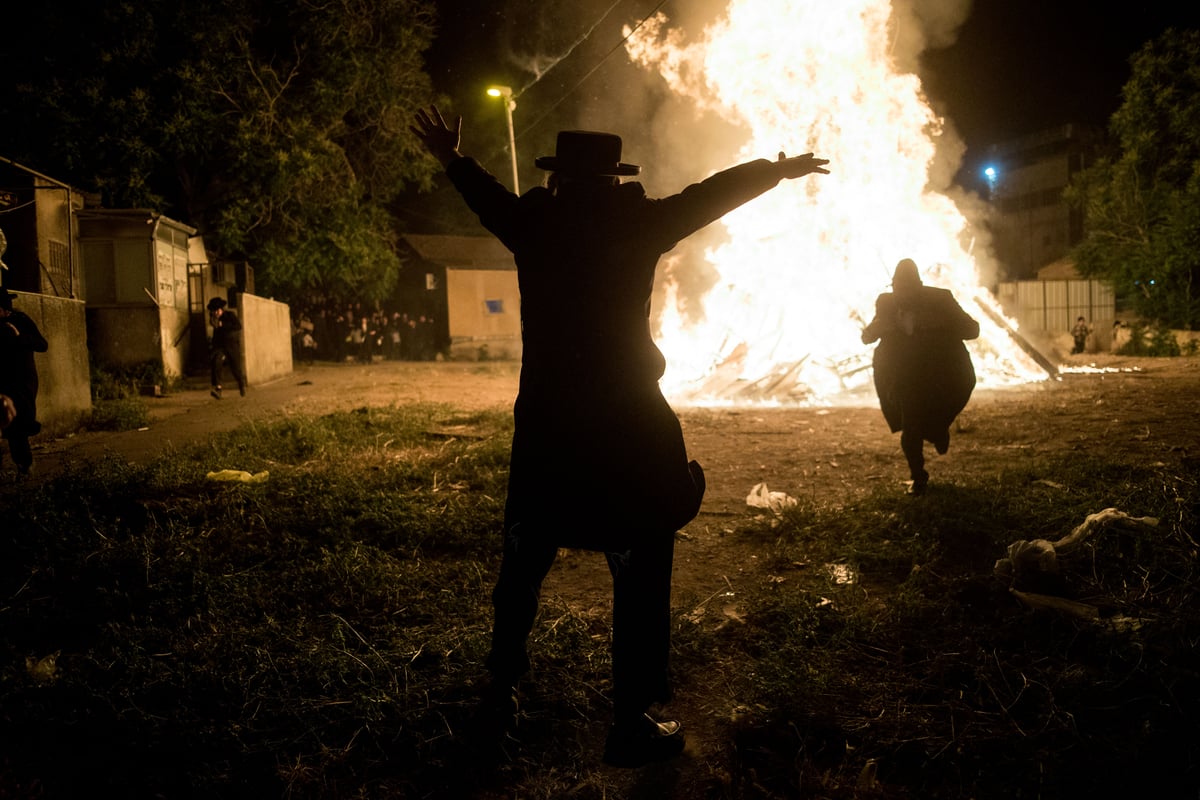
point(322, 633)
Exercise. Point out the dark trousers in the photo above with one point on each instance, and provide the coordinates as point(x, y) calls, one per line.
point(641, 637)
point(219, 357)
point(18, 447)
point(913, 447)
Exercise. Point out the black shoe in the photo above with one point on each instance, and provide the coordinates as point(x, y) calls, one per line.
point(918, 488)
point(643, 741)
point(498, 707)
point(242, 389)
point(216, 392)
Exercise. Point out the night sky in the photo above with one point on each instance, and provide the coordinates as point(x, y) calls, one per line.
point(1022, 65)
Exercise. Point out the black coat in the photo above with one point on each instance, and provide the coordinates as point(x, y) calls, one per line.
point(923, 372)
point(18, 371)
point(598, 454)
point(227, 332)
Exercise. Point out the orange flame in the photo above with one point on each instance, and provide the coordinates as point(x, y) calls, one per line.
point(801, 266)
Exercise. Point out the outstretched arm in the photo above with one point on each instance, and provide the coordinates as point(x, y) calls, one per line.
point(439, 138)
point(487, 197)
point(682, 214)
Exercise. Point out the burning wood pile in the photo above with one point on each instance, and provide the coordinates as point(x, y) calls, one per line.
point(784, 383)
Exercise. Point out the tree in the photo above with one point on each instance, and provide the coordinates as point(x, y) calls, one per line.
point(278, 129)
point(1141, 205)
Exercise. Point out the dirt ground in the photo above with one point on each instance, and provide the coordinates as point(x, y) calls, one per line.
point(831, 454)
point(1144, 408)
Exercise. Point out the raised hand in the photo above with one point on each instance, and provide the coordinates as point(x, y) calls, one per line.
point(799, 166)
point(439, 138)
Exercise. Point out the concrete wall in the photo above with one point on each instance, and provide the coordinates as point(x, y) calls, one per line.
point(65, 387)
point(266, 338)
point(176, 345)
point(125, 336)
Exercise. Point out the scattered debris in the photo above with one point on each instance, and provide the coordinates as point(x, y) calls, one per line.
point(762, 497)
point(452, 432)
point(43, 670)
point(841, 573)
point(1036, 563)
point(238, 476)
point(1050, 602)
point(1041, 555)
point(868, 776)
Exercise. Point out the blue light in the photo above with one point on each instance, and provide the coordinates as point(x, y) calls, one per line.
point(991, 174)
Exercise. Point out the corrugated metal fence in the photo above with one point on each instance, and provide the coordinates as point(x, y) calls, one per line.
point(1055, 305)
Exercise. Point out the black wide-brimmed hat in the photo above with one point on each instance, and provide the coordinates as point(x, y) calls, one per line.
point(587, 153)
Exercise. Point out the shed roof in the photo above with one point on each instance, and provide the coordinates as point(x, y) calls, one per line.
point(461, 252)
point(137, 215)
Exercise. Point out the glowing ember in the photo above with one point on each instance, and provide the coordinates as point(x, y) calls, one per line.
point(802, 265)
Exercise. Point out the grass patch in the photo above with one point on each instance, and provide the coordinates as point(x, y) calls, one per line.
point(116, 395)
point(925, 677)
point(322, 634)
point(119, 415)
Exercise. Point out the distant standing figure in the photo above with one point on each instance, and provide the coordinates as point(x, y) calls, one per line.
point(923, 372)
point(425, 338)
point(598, 456)
point(304, 342)
point(226, 345)
point(394, 332)
point(1080, 333)
point(364, 341)
point(19, 340)
point(1119, 336)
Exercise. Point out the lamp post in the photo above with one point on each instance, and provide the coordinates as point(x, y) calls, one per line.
point(509, 106)
point(991, 175)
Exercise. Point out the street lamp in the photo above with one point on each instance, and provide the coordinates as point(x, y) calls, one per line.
point(509, 106)
point(991, 175)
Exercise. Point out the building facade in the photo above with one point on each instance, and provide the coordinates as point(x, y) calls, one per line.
point(1031, 225)
point(41, 265)
point(468, 285)
point(136, 278)
point(149, 279)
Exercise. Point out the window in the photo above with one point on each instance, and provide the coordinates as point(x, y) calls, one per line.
point(58, 271)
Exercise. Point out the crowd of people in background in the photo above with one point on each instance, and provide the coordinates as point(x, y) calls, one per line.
point(362, 335)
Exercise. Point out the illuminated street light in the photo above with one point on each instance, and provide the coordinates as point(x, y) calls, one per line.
point(509, 106)
point(991, 174)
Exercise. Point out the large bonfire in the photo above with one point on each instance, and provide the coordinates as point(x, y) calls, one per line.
point(800, 267)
